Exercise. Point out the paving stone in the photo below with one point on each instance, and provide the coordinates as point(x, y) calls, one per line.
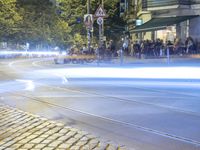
point(2, 142)
point(44, 136)
point(39, 132)
point(26, 134)
point(64, 131)
point(16, 146)
point(64, 146)
point(26, 131)
point(63, 138)
point(81, 143)
point(24, 141)
point(49, 132)
point(28, 146)
point(47, 141)
point(93, 143)
point(56, 129)
point(40, 146)
point(99, 148)
point(51, 125)
point(55, 143)
point(78, 136)
point(37, 140)
point(75, 147)
point(52, 137)
point(9, 143)
point(8, 148)
point(40, 126)
point(71, 141)
point(71, 133)
point(32, 136)
point(48, 148)
point(18, 138)
point(85, 147)
point(2, 148)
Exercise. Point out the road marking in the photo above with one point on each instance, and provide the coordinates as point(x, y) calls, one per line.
point(139, 127)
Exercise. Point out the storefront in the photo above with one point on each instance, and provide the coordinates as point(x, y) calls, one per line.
point(165, 28)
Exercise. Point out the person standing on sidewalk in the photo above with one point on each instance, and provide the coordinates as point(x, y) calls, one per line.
point(137, 49)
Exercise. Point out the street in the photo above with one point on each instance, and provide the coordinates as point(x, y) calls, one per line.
point(141, 108)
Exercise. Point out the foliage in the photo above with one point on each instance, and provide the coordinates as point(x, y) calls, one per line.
point(9, 18)
point(54, 22)
point(41, 25)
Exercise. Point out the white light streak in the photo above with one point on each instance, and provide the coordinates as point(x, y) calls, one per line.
point(129, 73)
point(29, 84)
point(28, 53)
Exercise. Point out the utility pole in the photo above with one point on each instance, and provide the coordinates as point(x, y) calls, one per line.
point(102, 34)
point(88, 30)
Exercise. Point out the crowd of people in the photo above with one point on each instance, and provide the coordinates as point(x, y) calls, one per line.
point(158, 48)
point(150, 48)
point(141, 49)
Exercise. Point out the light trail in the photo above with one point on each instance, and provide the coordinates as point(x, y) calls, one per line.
point(28, 53)
point(29, 85)
point(127, 73)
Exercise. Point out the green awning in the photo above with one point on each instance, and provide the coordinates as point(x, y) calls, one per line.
point(160, 23)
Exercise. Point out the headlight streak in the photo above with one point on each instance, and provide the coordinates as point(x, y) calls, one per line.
point(162, 76)
point(29, 53)
point(128, 73)
point(29, 84)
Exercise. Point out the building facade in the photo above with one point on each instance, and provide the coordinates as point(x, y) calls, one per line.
point(164, 19)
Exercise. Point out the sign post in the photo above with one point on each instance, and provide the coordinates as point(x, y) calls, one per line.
point(100, 14)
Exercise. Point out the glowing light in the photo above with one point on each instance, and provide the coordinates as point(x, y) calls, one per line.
point(138, 73)
point(29, 84)
point(29, 53)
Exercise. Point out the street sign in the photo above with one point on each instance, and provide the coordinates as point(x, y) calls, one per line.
point(99, 20)
point(100, 12)
point(88, 20)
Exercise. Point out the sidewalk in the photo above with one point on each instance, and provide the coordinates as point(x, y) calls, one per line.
point(24, 131)
point(131, 61)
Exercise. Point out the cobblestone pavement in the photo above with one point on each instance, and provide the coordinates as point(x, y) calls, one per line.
point(24, 131)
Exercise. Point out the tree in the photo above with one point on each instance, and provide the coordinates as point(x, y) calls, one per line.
point(41, 24)
point(113, 24)
point(73, 9)
point(9, 19)
point(58, 22)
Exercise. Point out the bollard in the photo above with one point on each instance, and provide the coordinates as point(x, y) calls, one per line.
point(121, 56)
point(168, 56)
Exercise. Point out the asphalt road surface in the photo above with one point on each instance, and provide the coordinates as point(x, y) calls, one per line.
point(141, 106)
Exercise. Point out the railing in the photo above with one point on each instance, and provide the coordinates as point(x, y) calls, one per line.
point(162, 3)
